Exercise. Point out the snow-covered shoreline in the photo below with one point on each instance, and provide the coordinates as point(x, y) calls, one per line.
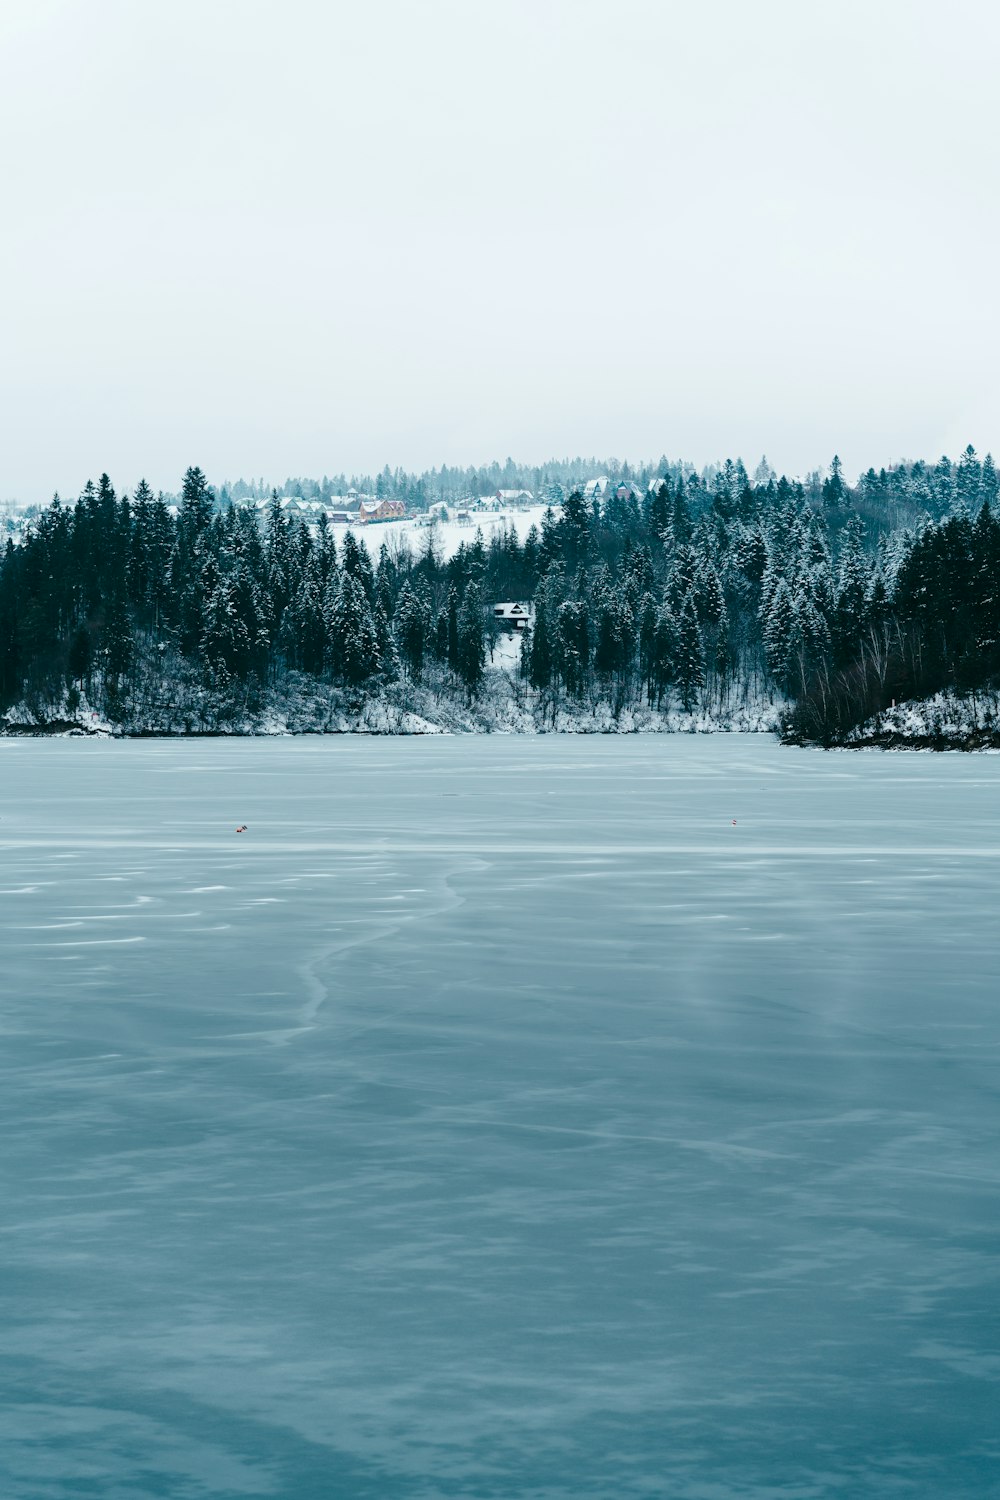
point(947, 721)
point(506, 706)
point(304, 706)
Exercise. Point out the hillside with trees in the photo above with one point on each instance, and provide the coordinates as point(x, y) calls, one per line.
point(675, 600)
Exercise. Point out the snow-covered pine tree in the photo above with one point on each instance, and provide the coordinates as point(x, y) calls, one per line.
point(777, 629)
point(388, 655)
point(968, 481)
point(352, 646)
point(225, 646)
point(453, 647)
point(571, 631)
point(690, 656)
point(471, 639)
point(852, 585)
point(665, 651)
point(309, 624)
point(410, 629)
point(538, 648)
point(355, 561)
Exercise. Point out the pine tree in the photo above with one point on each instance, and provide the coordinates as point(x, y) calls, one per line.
point(355, 561)
point(647, 641)
point(680, 523)
point(709, 597)
point(571, 631)
point(352, 640)
point(778, 628)
point(606, 645)
point(538, 650)
point(225, 646)
point(410, 628)
point(574, 528)
point(81, 656)
point(944, 483)
point(471, 639)
point(813, 637)
point(690, 659)
point(441, 637)
point(385, 645)
point(384, 580)
point(665, 657)
point(119, 646)
point(986, 585)
point(453, 628)
point(309, 623)
point(197, 507)
point(834, 488)
point(852, 587)
point(721, 661)
point(968, 481)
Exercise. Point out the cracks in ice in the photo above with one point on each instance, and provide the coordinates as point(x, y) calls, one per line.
point(318, 990)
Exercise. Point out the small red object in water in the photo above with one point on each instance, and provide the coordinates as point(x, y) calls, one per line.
point(242, 828)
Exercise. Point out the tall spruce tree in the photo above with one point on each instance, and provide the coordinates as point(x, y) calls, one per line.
point(690, 654)
point(471, 653)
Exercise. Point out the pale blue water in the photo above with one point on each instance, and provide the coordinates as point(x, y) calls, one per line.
point(493, 1118)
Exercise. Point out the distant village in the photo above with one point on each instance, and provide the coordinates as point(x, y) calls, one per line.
point(357, 508)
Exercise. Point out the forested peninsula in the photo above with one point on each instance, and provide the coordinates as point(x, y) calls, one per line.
point(665, 599)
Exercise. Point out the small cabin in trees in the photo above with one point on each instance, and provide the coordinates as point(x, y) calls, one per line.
point(511, 616)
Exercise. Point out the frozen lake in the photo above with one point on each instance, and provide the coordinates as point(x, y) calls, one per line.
point(493, 1118)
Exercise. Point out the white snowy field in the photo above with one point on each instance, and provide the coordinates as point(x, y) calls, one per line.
point(495, 1118)
point(448, 535)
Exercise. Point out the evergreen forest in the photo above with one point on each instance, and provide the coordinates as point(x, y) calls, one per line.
point(675, 590)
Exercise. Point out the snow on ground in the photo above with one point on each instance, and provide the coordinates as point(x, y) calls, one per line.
point(505, 653)
point(946, 720)
point(300, 704)
point(495, 1118)
point(448, 535)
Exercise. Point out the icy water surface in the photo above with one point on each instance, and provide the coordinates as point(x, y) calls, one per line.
point(494, 1118)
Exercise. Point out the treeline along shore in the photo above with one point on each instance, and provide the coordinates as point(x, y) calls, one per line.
point(684, 600)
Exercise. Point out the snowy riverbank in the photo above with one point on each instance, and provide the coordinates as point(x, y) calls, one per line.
point(945, 722)
point(301, 705)
point(505, 705)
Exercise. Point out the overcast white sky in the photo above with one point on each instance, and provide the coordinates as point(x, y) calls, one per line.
point(298, 236)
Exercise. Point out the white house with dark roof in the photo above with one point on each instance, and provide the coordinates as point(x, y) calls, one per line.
point(511, 615)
